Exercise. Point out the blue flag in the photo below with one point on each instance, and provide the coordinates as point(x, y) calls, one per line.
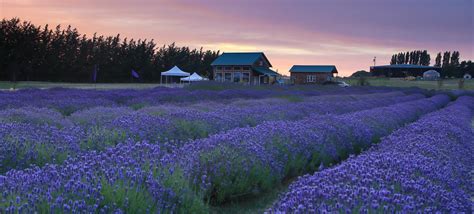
point(135, 74)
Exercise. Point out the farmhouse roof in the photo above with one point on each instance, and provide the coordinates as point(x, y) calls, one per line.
point(314, 68)
point(265, 71)
point(240, 58)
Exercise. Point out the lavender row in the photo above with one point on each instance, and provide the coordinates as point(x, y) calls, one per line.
point(40, 136)
point(68, 101)
point(425, 167)
point(247, 161)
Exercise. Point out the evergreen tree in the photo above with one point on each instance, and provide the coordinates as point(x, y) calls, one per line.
point(401, 58)
point(438, 60)
point(393, 61)
point(425, 58)
point(446, 59)
point(455, 59)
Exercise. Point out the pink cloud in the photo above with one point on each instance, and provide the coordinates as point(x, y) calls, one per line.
point(343, 33)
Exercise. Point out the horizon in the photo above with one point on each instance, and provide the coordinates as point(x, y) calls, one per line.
point(299, 35)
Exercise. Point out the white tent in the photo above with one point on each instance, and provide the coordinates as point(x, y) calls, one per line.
point(193, 78)
point(431, 75)
point(175, 71)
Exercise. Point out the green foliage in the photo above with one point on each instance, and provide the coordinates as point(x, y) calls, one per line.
point(33, 53)
point(137, 106)
point(440, 83)
point(292, 98)
point(361, 73)
point(99, 138)
point(45, 154)
point(438, 60)
point(190, 129)
point(362, 81)
point(190, 201)
point(416, 57)
point(461, 84)
point(238, 183)
point(135, 199)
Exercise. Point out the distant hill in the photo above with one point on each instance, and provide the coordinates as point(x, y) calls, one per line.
point(361, 73)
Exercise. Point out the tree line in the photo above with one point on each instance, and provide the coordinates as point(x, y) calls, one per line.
point(416, 57)
point(36, 53)
point(449, 62)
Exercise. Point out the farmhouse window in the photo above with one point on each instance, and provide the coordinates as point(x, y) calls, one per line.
point(236, 68)
point(311, 78)
point(246, 77)
point(228, 77)
point(237, 76)
point(219, 67)
point(219, 76)
point(246, 68)
point(228, 68)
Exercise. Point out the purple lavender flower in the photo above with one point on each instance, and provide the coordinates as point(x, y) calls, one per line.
point(423, 167)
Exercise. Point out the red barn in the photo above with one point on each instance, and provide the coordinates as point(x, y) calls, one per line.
point(312, 74)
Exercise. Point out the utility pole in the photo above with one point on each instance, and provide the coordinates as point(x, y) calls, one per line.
point(375, 60)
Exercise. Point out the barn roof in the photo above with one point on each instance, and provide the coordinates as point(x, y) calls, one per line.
point(314, 68)
point(239, 58)
point(265, 71)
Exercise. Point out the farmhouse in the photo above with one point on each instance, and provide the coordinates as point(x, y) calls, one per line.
point(243, 67)
point(312, 74)
point(402, 70)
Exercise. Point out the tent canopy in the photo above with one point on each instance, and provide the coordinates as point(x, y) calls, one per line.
point(193, 77)
point(431, 73)
point(175, 71)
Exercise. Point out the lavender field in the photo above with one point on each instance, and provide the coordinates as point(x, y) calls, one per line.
point(194, 150)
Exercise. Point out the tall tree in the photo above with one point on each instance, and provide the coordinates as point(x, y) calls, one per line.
point(393, 61)
point(446, 59)
point(401, 58)
point(425, 58)
point(438, 60)
point(455, 59)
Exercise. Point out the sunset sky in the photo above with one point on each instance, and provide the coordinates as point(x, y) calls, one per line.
point(345, 33)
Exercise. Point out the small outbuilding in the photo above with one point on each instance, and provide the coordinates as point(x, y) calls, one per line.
point(312, 74)
point(431, 75)
point(401, 70)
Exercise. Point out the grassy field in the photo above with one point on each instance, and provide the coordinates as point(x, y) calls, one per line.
point(448, 84)
point(400, 82)
point(21, 85)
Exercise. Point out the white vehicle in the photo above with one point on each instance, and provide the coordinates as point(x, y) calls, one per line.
point(343, 84)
